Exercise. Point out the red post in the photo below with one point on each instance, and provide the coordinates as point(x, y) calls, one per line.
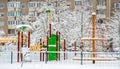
point(22, 39)
point(50, 25)
point(43, 53)
point(18, 55)
point(29, 39)
point(59, 43)
point(40, 52)
point(64, 48)
point(21, 44)
point(47, 48)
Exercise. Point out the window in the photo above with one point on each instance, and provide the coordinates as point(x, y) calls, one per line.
point(32, 13)
point(10, 23)
point(78, 3)
point(89, 4)
point(22, 6)
point(68, 3)
point(11, 31)
point(101, 11)
point(14, 13)
point(34, 4)
point(101, 2)
point(1, 23)
point(8, 0)
point(38, 4)
point(22, 14)
point(117, 5)
point(31, 4)
point(1, 14)
point(1, 6)
point(13, 4)
point(10, 13)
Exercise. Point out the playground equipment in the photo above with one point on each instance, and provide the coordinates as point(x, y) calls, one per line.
point(54, 45)
point(53, 41)
point(7, 39)
point(93, 39)
point(36, 48)
point(21, 29)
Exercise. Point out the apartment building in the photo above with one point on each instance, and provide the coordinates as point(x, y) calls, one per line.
point(115, 6)
point(13, 11)
point(103, 8)
point(3, 16)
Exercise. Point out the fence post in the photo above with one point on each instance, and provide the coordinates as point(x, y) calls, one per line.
point(81, 58)
point(46, 58)
point(66, 54)
point(11, 57)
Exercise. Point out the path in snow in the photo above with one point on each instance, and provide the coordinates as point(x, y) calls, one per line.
point(63, 65)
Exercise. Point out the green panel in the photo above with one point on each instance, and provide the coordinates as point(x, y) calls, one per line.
point(52, 56)
point(48, 11)
point(52, 47)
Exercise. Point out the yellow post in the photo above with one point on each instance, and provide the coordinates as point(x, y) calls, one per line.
point(93, 35)
point(50, 17)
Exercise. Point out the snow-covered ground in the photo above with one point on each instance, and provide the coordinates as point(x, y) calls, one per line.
point(63, 65)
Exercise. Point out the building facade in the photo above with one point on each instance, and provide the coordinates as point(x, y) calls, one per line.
point(12, 11)
point(103, 8)
point(3, 16)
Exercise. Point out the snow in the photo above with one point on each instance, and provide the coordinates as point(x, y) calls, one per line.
point(62, 65)
point(69, 24)
point(93, 13)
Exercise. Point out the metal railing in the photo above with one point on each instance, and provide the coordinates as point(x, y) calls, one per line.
point(80, 57)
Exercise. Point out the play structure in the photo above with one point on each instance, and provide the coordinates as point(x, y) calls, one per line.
point(50, 48)
point(21, 30)
point(93, 40)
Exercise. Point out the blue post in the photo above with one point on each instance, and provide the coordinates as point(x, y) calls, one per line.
point(81, 58)
point(11, 57)
point(66, 54)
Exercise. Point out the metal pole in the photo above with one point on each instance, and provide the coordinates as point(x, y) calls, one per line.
point(11, 57)
point(18, 54)
point(43, 52)
point(22, 39)
point(93, 36)
point(28, 38)
point(21, 44)
point(47, 49)
point(64, 49)
point(75, 47)
point(40, 51)
point(81, 58)
point(50, 25)
point(57, 45)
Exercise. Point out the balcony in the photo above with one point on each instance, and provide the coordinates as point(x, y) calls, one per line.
point(11, 26)
point(101, 7)
point(32, 9)
point(11, 18)
point(101, 15)
point(10, 9)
